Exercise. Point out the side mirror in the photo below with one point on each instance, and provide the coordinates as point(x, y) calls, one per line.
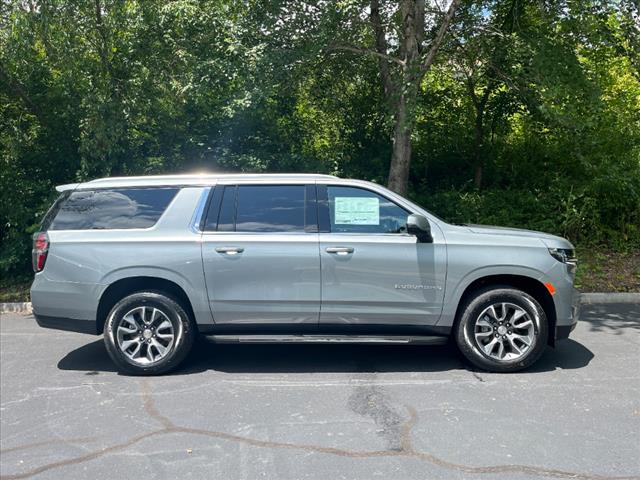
point(418, 225)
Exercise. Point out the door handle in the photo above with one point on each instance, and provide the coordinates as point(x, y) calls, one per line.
point(230, 250)
point(340, 250)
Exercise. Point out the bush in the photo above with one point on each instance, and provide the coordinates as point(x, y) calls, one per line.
point(605, 212)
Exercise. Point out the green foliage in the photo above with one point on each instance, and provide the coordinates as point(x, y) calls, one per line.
point(134, 87)
point(598, 214)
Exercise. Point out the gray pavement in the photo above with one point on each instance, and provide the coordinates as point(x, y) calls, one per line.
point(322, 411)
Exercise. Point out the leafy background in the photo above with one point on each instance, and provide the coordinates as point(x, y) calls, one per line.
point(105, 87)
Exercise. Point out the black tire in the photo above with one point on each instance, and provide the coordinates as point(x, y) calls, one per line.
point(474, 306)
point(182, 325)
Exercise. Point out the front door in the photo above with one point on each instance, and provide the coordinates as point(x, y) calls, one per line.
point(260, 255)
point(373, 271)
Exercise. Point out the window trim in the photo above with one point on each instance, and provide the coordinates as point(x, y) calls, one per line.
point(214, 208)
point(324, 215)
point(210, 203)
point(195, 225)
point(233, 189)
point(311, 209)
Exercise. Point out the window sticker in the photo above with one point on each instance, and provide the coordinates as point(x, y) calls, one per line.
point(357, 211)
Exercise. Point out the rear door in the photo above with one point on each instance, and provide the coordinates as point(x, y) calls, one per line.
point(260, 254)
point(373, 271)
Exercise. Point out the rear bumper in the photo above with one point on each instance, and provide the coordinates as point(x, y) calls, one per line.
point(67, 324)
point(58, 299)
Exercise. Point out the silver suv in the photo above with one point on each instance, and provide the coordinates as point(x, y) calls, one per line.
point(152, 261)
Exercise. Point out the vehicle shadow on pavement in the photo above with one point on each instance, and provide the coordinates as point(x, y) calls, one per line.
point(92, 358)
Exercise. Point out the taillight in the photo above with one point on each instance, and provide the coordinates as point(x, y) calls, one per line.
point(40, 250)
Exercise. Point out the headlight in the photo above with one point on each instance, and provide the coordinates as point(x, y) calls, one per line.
point(564, 255)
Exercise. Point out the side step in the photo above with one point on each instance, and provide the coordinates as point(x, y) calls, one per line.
point(386, 340)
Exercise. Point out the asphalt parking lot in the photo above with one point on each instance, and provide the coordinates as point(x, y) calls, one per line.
point(322, 411)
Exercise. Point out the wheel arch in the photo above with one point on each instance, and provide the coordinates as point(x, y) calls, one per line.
point(128, 285)
point(529, 285)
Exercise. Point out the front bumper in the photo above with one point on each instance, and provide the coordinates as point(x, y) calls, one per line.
point(563, 330)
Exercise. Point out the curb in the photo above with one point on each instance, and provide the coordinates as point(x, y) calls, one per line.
point(593, 298)
point(585, 299)
point(15, 307)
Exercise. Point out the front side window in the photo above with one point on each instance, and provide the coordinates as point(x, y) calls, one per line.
point(356, 210)
point(111, 208)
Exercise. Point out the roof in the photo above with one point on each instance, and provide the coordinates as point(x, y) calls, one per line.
point(190, 179)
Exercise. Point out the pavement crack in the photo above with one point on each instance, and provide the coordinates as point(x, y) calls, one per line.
point(371, 401)
point(48, 442)
point(405, 448)
point(150, 406)
point(81, 459)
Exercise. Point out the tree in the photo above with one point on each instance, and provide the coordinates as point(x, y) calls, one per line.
point(481, 60)
point(541, 110)
point(402, 68)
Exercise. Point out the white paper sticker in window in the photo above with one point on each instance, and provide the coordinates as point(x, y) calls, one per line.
point(356, 211)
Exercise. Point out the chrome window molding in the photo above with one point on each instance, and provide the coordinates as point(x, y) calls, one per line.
point(194, 224)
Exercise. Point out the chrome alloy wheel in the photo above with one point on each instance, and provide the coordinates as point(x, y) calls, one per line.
point(504, 331)
point(145, 335)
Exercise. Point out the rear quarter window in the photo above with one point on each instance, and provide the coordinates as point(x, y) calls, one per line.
point(120, 208)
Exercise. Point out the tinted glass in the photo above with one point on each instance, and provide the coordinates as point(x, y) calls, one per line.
point(209, 221)
point(356, 210)
point(227, 210)
point(114, 208)
point(53, 211)
point(270, 208)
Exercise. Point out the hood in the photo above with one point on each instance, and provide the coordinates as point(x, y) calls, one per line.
point(552, 241)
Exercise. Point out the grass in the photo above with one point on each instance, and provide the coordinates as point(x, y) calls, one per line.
point(599, 270)
point(602, 270)
point(16, 289)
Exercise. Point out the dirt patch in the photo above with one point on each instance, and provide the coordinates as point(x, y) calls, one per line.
point(601, 270)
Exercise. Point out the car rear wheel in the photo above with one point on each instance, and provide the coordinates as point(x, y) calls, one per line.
point(502, 329)
point(148, 333)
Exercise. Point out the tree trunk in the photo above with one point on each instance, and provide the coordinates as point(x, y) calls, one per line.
point(401, 156)
point(401, 90)
point(477, 178)
point(479, 149)
point(407, 92)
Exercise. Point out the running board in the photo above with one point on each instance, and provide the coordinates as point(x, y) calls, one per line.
point(391, 339)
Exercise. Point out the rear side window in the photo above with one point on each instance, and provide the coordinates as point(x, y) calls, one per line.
point(108, 209)
point(263, 208)
point(270, 208)
point(53, 211)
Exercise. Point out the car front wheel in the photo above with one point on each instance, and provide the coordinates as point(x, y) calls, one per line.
point(502, 329)
point(148, 333)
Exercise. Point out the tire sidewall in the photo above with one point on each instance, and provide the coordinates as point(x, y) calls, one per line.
point(465, 337)
point(178, 318)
